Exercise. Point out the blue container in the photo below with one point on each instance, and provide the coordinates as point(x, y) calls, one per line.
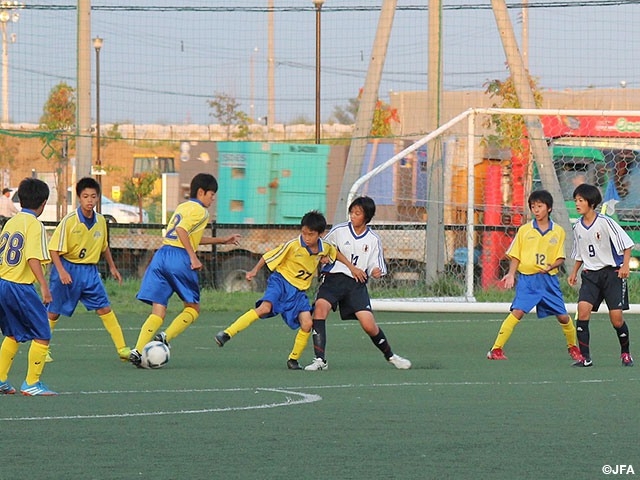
point(270, 183)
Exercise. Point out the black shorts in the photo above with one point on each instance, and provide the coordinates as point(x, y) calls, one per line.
point(342, 291)
point(604, 284)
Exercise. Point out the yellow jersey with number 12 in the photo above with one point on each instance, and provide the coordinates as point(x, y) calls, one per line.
point(536, 249)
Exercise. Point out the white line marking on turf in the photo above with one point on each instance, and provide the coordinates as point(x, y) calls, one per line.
point(303, 398)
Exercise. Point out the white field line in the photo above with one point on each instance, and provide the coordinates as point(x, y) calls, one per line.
point(288, 392)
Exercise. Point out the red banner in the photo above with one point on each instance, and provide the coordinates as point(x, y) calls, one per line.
point(555, 126)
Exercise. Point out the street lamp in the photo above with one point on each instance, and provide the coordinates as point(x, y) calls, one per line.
point(8, 13)
point(318, 4)
point(252, 106)
point(97, 44)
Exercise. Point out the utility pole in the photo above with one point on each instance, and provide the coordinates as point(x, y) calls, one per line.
point(83, 90)
point(539, 148)
point(435, 169)
point(271, 68)
point(364, 118)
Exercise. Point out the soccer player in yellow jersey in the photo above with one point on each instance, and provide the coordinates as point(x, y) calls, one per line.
point(76, 246)
point(293, 266)
point(23, 316)
point(174, 267)
point(536, 253)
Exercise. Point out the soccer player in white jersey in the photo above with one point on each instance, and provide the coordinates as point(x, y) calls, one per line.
point(603, 250)
point(76, 245)
point(338, 288)
point(23, 316)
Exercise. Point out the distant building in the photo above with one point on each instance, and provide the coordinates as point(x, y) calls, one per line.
point(413, 106)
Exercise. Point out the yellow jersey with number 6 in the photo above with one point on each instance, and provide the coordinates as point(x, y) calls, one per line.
point(76, 242)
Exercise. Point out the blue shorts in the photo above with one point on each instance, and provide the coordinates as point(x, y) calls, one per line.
point(86, 287)
point(285, 299)
point(22, 314)
point(169, 272)
point(542, 291)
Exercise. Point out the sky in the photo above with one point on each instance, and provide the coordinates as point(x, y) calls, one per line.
point(161, 63)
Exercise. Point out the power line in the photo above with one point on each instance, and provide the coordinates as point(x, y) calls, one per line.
point(479, 5)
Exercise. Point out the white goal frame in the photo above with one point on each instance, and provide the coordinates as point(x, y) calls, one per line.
point(466, 303)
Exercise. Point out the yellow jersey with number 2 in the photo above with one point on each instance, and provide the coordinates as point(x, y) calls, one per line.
point(192, 217)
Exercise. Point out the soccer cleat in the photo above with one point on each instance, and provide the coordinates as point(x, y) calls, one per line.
point(6, 388)
point(37, 389)
point(627, 361)
point(575, 353)
point(293, 364)
point(496, 354)
point(48, 358)
point(317, 364)
point(399, 362)
point(124, 354)
point(222, 338)
point(583, 363)
point(161, 337)
point(135, 358)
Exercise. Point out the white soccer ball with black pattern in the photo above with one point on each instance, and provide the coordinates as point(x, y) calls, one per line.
point(155, 355)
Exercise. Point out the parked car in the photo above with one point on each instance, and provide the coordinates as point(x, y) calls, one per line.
point(113, 212)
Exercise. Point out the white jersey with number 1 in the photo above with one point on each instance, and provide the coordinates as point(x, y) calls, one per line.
point(364, 250)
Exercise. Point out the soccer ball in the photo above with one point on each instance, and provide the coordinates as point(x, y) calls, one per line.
point(155, 355)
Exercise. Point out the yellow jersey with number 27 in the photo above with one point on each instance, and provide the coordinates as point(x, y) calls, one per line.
point(296, 263)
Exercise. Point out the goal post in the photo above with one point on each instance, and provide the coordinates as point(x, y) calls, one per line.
point(487, 183)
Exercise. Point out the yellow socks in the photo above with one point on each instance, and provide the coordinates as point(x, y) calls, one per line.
point(37, 355)
point(299, 344)
point(569, 331)
point(149, 328)
point(8, 351)
point(181, 322)
point(506, 329)
point(242, 322)
point(110, 322)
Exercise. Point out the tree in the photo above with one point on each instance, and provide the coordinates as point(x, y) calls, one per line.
point(509, 129)
point(226, 110)
point(383, 116)
point(346, 115)
point(511, 133)
point(8, 152)
point(59, 115)
point(136, 189)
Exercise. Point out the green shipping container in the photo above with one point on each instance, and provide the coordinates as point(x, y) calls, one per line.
point(270, 183)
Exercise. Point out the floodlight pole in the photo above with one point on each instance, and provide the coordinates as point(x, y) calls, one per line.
point(8, 13)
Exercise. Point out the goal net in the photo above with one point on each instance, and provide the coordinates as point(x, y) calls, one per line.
point(474, 184)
